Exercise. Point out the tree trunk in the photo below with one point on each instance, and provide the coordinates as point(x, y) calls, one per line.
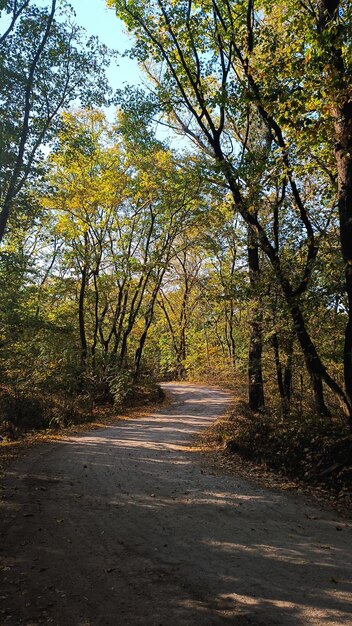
point(81, 320)
point(342, 114)
point(343, 152)
point(316, 369)
point(313, 362)
point(255, 376)
point(139, 351)
point(283, 374)
point(288, 373)
point(280, 381)
point(319, 405)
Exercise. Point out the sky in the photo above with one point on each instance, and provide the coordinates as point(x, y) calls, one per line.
point(98, 20)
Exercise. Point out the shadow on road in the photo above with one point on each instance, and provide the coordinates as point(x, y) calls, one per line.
point(125, 526)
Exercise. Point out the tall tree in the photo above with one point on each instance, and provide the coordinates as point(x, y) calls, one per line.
point(205, 56)
point(117, 211)
point(334, 26)
point(46, 63)
point(182, 277)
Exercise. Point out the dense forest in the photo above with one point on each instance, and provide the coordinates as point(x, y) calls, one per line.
point(201, 231)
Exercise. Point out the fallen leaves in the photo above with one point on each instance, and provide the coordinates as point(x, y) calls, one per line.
point(211, 444)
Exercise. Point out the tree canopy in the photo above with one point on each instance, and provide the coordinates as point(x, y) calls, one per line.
point(222, 252)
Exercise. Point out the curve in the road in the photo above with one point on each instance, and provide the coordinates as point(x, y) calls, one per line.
point(125, 526)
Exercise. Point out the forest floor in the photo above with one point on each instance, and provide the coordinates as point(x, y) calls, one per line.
point(131, 525)
point(302, 471)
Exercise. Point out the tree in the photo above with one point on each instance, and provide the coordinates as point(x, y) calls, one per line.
point(117, 212)
point(46, 63)
point(13, 10)
point(182, 278)
point(204, 58)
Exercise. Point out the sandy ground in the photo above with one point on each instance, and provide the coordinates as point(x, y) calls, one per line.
point(127, 526)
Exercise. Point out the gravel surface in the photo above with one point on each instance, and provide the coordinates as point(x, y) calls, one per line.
point(126, 526)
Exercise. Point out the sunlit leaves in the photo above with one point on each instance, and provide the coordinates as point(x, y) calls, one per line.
point(46, 63)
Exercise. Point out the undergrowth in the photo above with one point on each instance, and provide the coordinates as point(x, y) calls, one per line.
point(305, 448)
point(22, 410)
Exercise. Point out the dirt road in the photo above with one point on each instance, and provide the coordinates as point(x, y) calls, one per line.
point(126, 526)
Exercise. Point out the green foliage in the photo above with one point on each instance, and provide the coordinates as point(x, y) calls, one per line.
point(229, 76)
point(46, 63)
point(126, 258)
point(81, 273)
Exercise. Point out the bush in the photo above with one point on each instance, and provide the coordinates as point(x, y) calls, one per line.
point(22, 412)
point(308, 448)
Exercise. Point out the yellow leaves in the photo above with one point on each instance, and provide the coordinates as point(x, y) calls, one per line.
point(87, 173)
point(68, 225)
point(153, 172)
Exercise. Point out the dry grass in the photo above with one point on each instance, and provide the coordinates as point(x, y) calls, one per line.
point(231, 446)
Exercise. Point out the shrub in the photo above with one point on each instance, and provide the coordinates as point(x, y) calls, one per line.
point(308, 448)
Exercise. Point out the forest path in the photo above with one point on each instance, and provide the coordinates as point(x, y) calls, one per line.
point(125, 526)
